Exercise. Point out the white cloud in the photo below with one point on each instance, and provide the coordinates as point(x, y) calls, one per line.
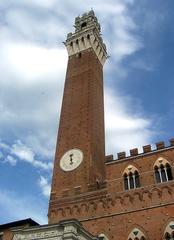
point(23, 152)
point(45, 186)
point(122, 40)
point(11, 160)
point(125, 129)
point(43, 165)
point(20, 152)
point(26, 154)
point(31, 63)
point(31, 86)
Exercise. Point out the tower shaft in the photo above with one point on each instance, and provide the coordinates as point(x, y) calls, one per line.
point(80, 152)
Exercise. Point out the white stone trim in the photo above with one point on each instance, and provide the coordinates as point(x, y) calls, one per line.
point(168, 228)
point(139, 234)
point(74, 48)
point(69, 230)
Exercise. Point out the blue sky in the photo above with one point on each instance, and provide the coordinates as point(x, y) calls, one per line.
point(139, 85)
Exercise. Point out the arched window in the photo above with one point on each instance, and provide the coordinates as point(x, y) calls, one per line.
point(136, 234)
point(169, 231)
point(163, 171)
point(126, 187)
point(169, 172)
point(131, 178)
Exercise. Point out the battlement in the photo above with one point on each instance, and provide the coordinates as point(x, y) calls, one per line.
point(147, 149)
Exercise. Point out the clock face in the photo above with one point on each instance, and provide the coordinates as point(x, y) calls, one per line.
point(71, 159)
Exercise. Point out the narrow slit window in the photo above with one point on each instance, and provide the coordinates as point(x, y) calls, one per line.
point(84, 24)
point(157, 175)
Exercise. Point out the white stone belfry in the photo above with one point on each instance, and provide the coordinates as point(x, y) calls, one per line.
point(87, 35)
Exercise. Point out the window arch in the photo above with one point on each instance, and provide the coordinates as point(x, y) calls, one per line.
point(102, 236)
point(84, 24)
point(163, 170)
point(169, 231)
point(131, 178)
point(136, 234)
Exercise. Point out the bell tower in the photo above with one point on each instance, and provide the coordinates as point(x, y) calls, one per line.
point(79, 166)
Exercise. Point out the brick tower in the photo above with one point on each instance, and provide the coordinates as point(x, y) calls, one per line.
point(137, 203)
point(79, 167)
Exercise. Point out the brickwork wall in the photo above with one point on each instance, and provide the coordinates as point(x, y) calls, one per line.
point(151, 222)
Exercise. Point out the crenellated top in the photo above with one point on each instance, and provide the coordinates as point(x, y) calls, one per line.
point(87, 35)
point(147, 149)
point(86, 21)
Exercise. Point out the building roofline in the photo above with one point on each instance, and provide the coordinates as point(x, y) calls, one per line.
point(61, 224)
point(140, 155)
point(18, 223)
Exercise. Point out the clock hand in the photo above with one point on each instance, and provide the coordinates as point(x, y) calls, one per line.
point(71, 160)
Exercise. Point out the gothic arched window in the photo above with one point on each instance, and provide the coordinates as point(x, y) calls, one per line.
point(137, 179)
point(169, 172)
point(131, 178)
point(163, 171)
point(136, 234)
